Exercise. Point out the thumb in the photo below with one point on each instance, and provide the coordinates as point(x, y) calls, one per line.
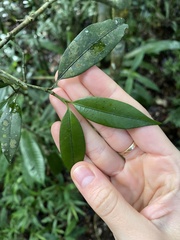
point(122, 219)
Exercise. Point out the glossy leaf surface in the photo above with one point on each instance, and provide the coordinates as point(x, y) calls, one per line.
point(10, 129)
point(112, 113)
point(91, 46)
point(72, 142)
point(33, 160)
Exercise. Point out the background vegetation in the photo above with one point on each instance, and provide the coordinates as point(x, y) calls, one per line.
point(43, 203)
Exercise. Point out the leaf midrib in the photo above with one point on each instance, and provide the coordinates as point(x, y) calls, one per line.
point(101, 111)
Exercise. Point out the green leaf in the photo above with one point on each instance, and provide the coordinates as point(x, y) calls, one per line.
point(70, 227)
point(50, 46)
point(173, 117)
point(141, 79)
point(4, 165)
point(3, 94)
point(72, 142)
point(112, 113)
point(145, 81)
point(33, 159)
point(129, 84)
point(91, 46)
point(2, 84)
point(119, 4)
point(142, 95)
point(55, 163)
point(3, 217)
point(10, 129)
point(2, 104)
point(154, 47)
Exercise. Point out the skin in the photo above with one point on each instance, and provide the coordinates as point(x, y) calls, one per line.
point(136, 195)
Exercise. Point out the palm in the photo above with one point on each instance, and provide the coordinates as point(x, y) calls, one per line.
point(144, 180)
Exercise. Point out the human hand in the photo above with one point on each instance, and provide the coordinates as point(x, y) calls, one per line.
point(136, 195)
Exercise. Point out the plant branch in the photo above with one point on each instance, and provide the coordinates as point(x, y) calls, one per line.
point(50, 91)
point(9, 79)
point(65, 101)
point(28, 19)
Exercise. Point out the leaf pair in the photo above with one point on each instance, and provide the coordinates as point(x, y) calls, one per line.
point(108, 112)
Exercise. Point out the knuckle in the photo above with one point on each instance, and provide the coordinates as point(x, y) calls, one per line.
point(96, 150)
point(107, 133)
point(105, 202)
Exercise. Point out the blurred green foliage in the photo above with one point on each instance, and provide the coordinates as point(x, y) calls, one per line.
point(49, 34)
point(30, 210)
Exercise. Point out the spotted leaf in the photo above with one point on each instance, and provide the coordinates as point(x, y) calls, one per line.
point(91, 46)
point(10, 129)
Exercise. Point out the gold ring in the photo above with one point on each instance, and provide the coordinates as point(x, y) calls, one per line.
point(129, 149)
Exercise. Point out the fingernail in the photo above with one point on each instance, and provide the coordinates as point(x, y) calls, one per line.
point(83, 176)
